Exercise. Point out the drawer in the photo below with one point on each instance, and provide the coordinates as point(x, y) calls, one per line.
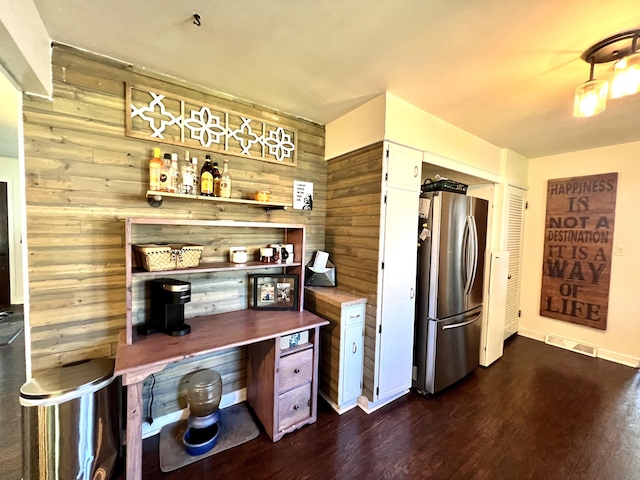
point(353, 315)
point(294, 339)
point(294, 406)
point(295, 369)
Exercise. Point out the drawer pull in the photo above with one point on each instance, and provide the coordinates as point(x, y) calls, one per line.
point(357, 315)
point(297, 370)
point(296, 407)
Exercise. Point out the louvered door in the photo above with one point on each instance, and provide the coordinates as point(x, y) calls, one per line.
point(516, 199)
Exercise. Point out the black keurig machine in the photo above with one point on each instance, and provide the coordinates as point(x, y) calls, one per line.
point(168, 297)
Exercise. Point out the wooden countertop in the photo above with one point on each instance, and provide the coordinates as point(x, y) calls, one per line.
point(150, 354)
point(335, 296)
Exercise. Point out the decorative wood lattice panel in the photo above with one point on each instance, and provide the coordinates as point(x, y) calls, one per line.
point(168, 118)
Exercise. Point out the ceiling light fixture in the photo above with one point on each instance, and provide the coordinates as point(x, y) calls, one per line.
point(591, 96)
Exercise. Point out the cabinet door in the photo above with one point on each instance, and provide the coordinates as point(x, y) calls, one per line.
point(404, 167)
point(395, 354)
point(515, 226)
point(353, 349)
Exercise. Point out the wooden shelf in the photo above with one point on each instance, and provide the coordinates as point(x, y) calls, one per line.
point(214, 267)
point(290, 233)
point(155, 200)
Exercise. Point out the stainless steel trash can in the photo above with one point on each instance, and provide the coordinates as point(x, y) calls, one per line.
point(71, 422)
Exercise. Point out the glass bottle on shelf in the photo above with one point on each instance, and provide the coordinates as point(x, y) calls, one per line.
point(155, 167)
point(196, 176)
point(225, 180)
point(206, 178)
point(175, 174)
point(216, 180)
point(186, 176)
point(165, 173)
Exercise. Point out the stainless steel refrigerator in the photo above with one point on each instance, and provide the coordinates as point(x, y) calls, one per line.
point(451, 244)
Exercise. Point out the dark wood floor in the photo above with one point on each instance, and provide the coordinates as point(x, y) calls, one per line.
point(12, 376)
point(540, 412)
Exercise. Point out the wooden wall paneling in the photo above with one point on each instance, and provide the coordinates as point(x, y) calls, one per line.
point(354, 186)
point(83, 176)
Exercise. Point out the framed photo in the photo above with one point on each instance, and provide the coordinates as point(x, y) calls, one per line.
point(275, 292)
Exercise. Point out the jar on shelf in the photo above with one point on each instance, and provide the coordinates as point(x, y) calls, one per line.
point(266, 255)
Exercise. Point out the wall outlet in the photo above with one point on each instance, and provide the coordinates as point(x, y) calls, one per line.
point(621, 249)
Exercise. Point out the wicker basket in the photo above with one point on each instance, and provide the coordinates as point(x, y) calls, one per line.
point(445, 186)
point(156, 258)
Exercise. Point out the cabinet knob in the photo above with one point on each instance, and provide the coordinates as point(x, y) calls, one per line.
point(296, 407)
point(297, 370)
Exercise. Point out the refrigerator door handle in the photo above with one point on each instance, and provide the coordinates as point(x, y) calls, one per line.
point(468, 281)
point(458, 325)
point(474, 251)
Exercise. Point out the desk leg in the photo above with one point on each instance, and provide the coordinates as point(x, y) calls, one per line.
point(134, 431)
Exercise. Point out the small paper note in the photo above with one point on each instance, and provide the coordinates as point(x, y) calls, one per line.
point(320, 262)
point(424, 234)
point(425, 204)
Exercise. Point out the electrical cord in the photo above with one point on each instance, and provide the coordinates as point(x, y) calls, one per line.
point(153, 384)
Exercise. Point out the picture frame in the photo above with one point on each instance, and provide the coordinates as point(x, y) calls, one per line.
point(275, 292)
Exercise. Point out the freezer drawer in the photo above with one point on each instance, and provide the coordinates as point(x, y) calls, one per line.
point(453, 349)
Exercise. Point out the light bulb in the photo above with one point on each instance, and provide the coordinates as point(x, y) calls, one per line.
point(590, 98)
point(626, 76)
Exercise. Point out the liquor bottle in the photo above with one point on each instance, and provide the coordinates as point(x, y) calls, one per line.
point(225, 180)
point(206, 178)
point(165, 173)
point(216, 180)
point(155, 167)
point(196, 176)
point(175, 174)
point(186, 175)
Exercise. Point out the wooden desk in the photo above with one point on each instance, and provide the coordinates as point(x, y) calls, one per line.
point(147, 355)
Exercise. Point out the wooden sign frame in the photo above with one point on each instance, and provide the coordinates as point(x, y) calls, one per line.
point(163, 117)
point(578, 246)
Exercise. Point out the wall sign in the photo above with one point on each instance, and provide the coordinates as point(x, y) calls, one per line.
point(302, 195)
point(168, 118)
point(577, 249)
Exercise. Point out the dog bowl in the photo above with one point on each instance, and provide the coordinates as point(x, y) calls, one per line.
point(198, 441)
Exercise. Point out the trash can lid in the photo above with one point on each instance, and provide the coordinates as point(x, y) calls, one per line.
point(76, 376)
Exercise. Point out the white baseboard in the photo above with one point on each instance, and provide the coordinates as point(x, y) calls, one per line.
point(615, 357)
point(369, 407)
point(627, 360)
point(228, 399)
point(339, 409)
point(531, 334)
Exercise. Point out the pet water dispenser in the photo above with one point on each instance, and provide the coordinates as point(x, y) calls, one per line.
point(204, 394)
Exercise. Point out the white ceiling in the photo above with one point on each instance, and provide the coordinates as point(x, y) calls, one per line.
point(504, 70)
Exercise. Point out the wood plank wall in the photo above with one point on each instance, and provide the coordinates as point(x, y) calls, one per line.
point(354, 188)
point(83, 176)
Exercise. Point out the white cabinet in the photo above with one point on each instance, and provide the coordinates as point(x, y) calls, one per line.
point(341, 344)
point(352, 354)
point(394, 356)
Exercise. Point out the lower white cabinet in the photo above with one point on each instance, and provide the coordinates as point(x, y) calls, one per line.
point(341, 344)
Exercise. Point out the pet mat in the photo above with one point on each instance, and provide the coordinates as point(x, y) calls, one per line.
point(236, 427)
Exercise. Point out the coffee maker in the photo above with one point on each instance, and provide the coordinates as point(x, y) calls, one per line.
point(168, 297)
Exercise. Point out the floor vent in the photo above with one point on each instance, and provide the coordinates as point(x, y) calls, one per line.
point(572, 345)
